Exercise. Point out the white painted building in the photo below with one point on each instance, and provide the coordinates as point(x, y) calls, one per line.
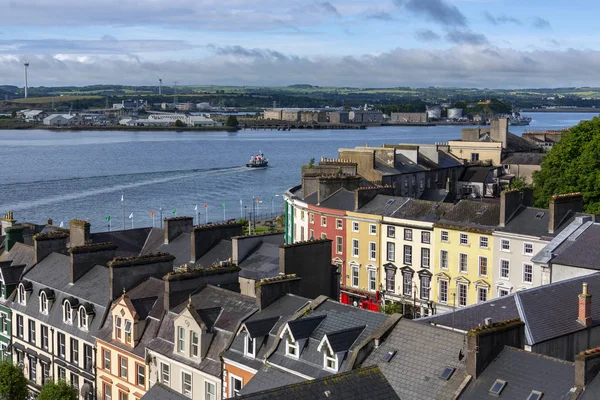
point(61, 120)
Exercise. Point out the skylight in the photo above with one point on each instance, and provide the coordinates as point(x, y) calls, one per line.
point(540, 214)
point(447, 373)
point(535, 395)
point(389, 355)
point(497, 387)
point(390, 201)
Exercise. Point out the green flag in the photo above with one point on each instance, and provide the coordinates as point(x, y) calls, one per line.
point(174, 211)
point(223, 204)
point(108, 218)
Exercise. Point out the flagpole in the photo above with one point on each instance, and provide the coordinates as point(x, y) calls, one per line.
point(206, 214)
point(161, 218)
point(153, 218)
point(241, 209)
point(123, 210)
point(223, 211)
point(197, 215)
point(131, 220)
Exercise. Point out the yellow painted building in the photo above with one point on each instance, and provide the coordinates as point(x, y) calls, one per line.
point(363, 272)
point(462, 266)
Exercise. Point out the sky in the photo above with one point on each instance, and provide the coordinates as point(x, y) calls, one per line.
point(368, 43)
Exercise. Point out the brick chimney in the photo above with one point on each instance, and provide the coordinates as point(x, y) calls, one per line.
point(560, 206)
point(45, 244)
point(176, 226)
point(584, 314)
point(79, 232)
point(7, 221)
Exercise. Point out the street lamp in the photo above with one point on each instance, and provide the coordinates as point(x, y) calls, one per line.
point(273, 203)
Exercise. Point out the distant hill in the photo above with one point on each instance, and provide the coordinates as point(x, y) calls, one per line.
point(302, 86)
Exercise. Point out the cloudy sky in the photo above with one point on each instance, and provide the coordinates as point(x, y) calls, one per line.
point(368, 43)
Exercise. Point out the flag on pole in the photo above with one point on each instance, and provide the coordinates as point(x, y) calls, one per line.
point(257, 200)
point(223, 204)
point(87, 220)
point(196, 208)
point(108, 218)
point(174, 211)
point(152, 213)
point(206, 206)
point(240, 202)
point(121, 197)
point(130, 215)
point(62, 224)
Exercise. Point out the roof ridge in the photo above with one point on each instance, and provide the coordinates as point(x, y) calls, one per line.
point(539, 355)
point(346, 330)
point(523, 316)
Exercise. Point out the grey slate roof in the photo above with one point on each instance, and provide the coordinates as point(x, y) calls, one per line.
point(219, 252)
point(233, 309)
point(158, 391)
point(384, 205)
point(129, 242)
point(11, 273)
point(260, 327)
point(575, 228)
point(343, 339)
point(517, 144)
point(263, 262)
point(180, 248)
point(422, 354)
point(304, 327)
point(524, 159)
point(582, 252)
point(536, 307)
point(476, 174)
point(269, 377)
point(20, 254)
point(422, 210)
point(592, 391)
point(359, 384)
point(473, 213)
point(341, 200)
point(523, 372)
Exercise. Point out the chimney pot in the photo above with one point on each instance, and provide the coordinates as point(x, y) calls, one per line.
point(488, 321)
point(585, 307)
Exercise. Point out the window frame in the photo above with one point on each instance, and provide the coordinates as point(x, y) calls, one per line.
point(62, 345)
point(425, 290)
point(425, 237)
point(67, 312)
point(138, 375)
point(168, 373)
point(480, 289)
point(443, 299)
point(118, 327)
point(106, 362)
point(484, 242)
point(462, 236)
point(123, 368)
point(502, 243)
point(339, 245)
point(372, 276)
point(501, 275)
point(525, 273)
point(444, 236)
point(323, 221)
point(355, 270)
point(74, 351)
point(208, 395)
point(180, 339)
point(372, 251)
point(247, 351)
point(339, 224)
point(481, 258)
point(391, 232)
point(289, 345)
point(31, 331)
point(355, 248)
point(444, 259)
point(355, 226)
point(425, 256)
point(525, 253)
point(44, 336)
point(183, 383)
point(390, 280)
point(407, 255)
point(106, 391)
point(330, 356)
point(462, 256)
point(372, 230)
point(390, 251)
point(233, 392)
point(408, 234)
point(459, 288)
point(407, 284)
point(44, 303)
point(194, 347)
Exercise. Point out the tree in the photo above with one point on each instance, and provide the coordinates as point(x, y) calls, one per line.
point(573, 165)
point(179, 123)
point(13, 384)
point(519, 183)
point(14, 114)
point(232, 121)
point(392, 308)
point(60, 390)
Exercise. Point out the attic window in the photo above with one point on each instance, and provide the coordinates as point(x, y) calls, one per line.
point(390, 202)
point(497, 387)
point(389, 355)
point(128, 331)
point(291, 348)
point(535, 395)
point(447, 373)
point(540, 215)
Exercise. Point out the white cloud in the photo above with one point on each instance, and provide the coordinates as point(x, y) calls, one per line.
point(466, 66)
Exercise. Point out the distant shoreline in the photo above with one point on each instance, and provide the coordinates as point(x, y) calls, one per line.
point(120, 128)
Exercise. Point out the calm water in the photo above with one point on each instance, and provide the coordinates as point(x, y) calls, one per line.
point(66, 175)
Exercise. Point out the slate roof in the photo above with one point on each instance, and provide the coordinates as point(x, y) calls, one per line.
point(472, 213)
point(536, 307)
point(524, 159)
point(523, 372)
point(129, 242)
point(180, 248)
point(592, 390)
point(304, 327)
point(575, 228)
point(343, 339)
point(422, 210)
point(260, 327)
point(516, 143)
point(85, 290)
point(232, 307)
point(269, 377)
point(476, 174)
point(20, 254)
point(341, 200)
point(405, 165)
point(384, 205)
point(422, 354)
point(219, 252)
point(263, 262)
point(147, 299)
point(529, 221)
point(583, 251)
point(11, 274)
point(158, 391)
point(359, 384)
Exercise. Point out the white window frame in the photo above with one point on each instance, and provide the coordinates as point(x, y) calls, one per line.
point(106, 361)
point(505, 242)
point(443, 299)
point(466, 297)
point(67, 312)
point(425, 256)
point(460, 263)
point(339, 245)
point(372, 251)
point(121, 369)
point(500, 275)
point(355, 226)
point(328, 356)
point(83, 319)
point(505, 290)
point(463, 239)
point(484, 242)
point(22, 295)
point(180, 339)
point(208, 395)
point(162, 373)
point(425, 289)
point(183, 385)
point(355, 248)
point(525, 273)
point(323, 221)
point(407, 283)
point(339, 224)
point(247, 351)
point(479, 289)
point(292, 345)
point(372, 273)
point(390, 246)
point(194, 347)
point(444, 236)
point(407, 255)
point(44, 303)
point(444, 260)
point(311, 218)
point(4, 322)
point(391, 232)
point(525, 253)
point(372, 230)
point(355, 270)
point(425, 237)
point(137, 374)
point(232, 378)
point(408, 234)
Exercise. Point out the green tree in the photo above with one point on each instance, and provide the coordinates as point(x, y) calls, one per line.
point(60, 390)
point(14, 114)
point(392, 308)
point(573, 165)
point(519, 183)
point(13, 385)
point(232, 121)
point(179, 123)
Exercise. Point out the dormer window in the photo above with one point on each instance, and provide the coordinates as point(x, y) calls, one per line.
point(118, 327)
point(83, 318)
point(128, 331)
point(181, 339)
point(291, 348)
point(67, 312)
point(44, 303)
point(330, 360)
point(195, 344)
point(22, 298)
point(249, 346)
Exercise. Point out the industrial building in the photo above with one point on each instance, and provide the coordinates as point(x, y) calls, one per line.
point(408, 118)
point(434, 112)
point(455, 113)
point(366, 117)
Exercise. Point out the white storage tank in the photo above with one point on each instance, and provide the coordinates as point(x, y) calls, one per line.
point(434, 112)
point(455, 113)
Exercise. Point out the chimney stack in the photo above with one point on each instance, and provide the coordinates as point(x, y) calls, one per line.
point(45, 244)
point(7, 222)
point(86, 257)
point(176, 226)
point(587, 366)
point(585, 307)
point(13, 234)
point(79, 233)
point(560, 206)
point(269, 290)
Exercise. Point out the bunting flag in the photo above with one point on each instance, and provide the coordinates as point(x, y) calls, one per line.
point(108, 218)
point(130, 215)
point(152, 213)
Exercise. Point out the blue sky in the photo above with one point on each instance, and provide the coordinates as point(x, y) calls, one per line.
point(467, 43)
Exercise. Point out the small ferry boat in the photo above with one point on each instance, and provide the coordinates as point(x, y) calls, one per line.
point(258, 161)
